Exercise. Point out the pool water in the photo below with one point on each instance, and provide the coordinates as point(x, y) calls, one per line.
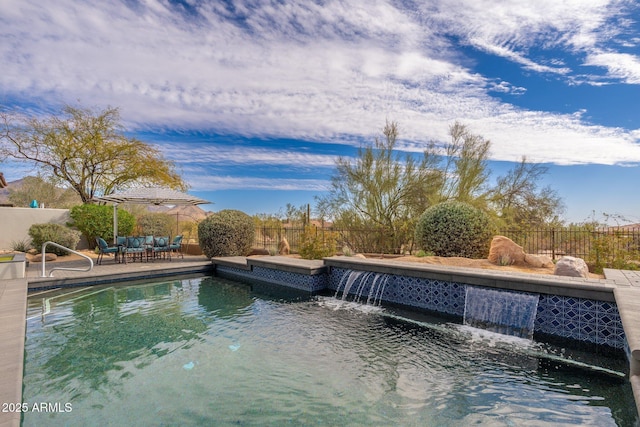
point(212, 352)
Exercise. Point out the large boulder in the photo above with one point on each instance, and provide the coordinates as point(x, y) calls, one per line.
point(504, 251)
point(283, 247)
point(538, 261)
point(572, 267)
point(48, 257)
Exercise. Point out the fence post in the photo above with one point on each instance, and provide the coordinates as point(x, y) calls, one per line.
point(553, 244)
point(264, 236)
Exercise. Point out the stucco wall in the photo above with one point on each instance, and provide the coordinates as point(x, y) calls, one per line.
point(15, 223)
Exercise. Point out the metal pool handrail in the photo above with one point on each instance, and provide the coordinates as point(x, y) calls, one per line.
point(62, 268)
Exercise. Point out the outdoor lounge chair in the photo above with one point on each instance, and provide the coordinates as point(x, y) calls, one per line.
point(135, 248)
point(176, 246)
point(104, 248)
point(148, 246)
point(161, 247)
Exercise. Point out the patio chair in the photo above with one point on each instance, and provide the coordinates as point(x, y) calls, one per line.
point(135, 248)
point(148, 246)
point(176, 246)
point(104, 248)
point(161, 247)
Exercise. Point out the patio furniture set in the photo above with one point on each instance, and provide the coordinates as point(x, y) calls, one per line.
point(147, 248)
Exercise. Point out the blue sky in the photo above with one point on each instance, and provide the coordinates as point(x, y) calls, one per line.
point(254, 100)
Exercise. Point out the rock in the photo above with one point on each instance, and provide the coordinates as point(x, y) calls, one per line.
point(48, 257)
point(359, 256)
point(258, 251)
point(504, 251)
point(283, 247)
point(572, 267)
point(538, 261)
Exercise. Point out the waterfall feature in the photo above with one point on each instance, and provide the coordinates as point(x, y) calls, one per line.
point(505, 312)
point(367, 284)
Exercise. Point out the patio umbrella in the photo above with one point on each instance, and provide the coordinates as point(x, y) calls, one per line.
point(148, 196)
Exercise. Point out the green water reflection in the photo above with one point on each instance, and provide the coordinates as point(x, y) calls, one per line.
point(89, 337)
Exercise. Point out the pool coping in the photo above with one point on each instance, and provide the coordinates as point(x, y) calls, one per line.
point(282, 263)
point(13, 309)
point(578, 287)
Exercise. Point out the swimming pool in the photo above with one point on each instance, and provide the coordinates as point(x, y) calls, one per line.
point(209, 351)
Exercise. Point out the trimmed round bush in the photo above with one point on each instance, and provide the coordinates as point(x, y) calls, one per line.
point(56, 233)
point(226, 233)
point(454, 229)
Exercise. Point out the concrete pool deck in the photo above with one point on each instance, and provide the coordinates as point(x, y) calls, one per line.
point(13, 300)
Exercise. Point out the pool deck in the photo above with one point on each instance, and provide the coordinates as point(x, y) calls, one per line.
point(13, 302)
point(13, 307)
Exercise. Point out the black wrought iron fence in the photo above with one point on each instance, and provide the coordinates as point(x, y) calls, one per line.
point(365, 240)
point(601, 246)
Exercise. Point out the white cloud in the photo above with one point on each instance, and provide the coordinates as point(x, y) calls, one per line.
point(213, 183)
point(511, 28)
point(230, 155)
point(622, 66)
point(326, 73)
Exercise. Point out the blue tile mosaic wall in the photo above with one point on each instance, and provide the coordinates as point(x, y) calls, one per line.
point(435, 295)
point(586, 320)
point(312, 283)
point(581, 319)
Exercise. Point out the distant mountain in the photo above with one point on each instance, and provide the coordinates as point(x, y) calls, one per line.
point(194, 213)
point(4, 192)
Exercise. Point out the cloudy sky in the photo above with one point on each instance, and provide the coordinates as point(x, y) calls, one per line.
point(254, 99)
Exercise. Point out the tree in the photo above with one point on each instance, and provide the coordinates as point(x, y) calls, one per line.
point(97, 221)
point(383, 189)
point(519, 202)
point(87, 150)
point(45, 192)
point(295, 215)
point(465, 168)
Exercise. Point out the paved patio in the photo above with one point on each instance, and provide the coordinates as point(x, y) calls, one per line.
point(110, 271)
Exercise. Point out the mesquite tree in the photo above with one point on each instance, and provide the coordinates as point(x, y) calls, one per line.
point(382, 189)
point(86, 150)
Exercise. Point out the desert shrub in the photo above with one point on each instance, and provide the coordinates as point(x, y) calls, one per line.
point(454, 229)
point(97, 221)
point(422, 253)
point(21, 245)
point(226, 233)
point(56, 233)
point(316, 245)
point(612, 250)
point(155, 224)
